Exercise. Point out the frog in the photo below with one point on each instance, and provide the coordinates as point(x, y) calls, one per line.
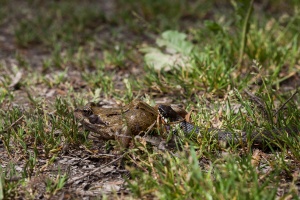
point(121, 124)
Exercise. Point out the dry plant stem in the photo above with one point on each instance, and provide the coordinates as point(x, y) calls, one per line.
point(282, 106)
point(138, 165)
point(14, 123)
point(261, 178)
point(150, 128)
point(95, 170)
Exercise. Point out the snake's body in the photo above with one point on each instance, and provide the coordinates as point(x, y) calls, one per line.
point(258, 139)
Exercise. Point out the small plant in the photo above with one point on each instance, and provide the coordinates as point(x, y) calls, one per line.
point(185, 178)
point(65, 122)
point(55, 185)
point(8, 186)
point(102, 82)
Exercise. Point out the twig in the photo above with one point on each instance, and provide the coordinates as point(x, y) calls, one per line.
point(282, 106)
point(95, 170)
point(13, 124)
point(150, 128)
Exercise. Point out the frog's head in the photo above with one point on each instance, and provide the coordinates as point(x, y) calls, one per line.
point(86, 114)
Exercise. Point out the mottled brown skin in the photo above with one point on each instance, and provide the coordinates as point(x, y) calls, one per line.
point(117, 123)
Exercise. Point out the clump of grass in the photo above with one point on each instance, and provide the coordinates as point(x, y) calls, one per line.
point(101, 81)
point(218, 61)
point(58, 22)
point(168, 177)
point(8, 186)
point(55, 185)
point(49, 131)
point(33, 136)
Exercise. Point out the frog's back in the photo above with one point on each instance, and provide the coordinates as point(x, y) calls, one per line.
point(139, 120)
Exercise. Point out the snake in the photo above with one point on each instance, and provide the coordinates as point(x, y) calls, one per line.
point(262, 139)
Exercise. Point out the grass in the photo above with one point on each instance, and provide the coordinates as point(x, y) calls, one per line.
point(182, 178)
point(68, 54)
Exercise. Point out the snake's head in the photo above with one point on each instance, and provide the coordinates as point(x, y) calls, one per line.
point(168, 114)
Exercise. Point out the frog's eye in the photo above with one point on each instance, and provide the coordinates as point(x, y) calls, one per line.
point(95, 119)
point(87, 112)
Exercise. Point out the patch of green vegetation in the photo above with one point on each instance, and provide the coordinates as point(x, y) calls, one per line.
point(160, 15)
point(48, 130)
point(101, 82)
point(3, 11)
point(5, 93)
point(55, 185)
point(181, 177)
point(37, 135)
point(235, 65)
point(206, 173)
point(55, 22)
point(8, 188)
point(213, 61)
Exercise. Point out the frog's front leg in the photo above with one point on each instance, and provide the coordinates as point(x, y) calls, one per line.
point(101, 131)
point(123, 136)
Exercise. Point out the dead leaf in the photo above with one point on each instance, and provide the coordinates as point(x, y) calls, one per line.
point(16, 79)
point(256, 157)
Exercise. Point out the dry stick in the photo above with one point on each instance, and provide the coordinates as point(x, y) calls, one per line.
point(150, 128)
point(282, 106)
point(9, 127)
point(97, 169)
point(13, 124)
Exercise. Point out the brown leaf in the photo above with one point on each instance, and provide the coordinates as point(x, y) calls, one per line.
point(16, 79)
